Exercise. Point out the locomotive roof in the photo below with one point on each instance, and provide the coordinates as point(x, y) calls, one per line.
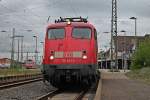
point(64, 24)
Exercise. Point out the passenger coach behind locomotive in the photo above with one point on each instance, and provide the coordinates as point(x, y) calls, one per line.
point(70, 54)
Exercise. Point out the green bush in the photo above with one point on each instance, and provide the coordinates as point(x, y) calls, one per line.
point(141, 58)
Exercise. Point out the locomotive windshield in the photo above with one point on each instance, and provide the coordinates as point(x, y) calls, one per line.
point(56, 33)
point(83, 33)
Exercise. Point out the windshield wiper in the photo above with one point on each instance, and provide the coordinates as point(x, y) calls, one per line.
point(54, 37)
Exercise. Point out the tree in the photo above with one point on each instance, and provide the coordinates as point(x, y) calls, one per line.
point(141, 57)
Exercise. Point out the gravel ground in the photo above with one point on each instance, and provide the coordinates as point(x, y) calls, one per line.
point(26, 92)
point(115, 86)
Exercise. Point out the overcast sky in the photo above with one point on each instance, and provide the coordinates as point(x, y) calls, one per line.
point(32, 15)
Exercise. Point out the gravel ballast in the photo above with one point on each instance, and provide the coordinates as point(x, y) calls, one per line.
point(26, 92)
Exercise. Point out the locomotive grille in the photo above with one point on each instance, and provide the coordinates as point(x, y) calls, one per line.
point(77, 54)
point(59, 54)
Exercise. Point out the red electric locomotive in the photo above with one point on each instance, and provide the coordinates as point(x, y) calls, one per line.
point(70, 54)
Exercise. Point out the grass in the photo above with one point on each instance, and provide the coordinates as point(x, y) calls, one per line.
point(18, 71)
point(140, 74)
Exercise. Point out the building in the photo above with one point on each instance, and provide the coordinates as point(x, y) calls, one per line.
point(126, 44)
point(126, 48)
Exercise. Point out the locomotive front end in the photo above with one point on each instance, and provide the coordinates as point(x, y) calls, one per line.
point(70, 55)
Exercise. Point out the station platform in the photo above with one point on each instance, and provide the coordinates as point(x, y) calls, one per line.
point(116, 86)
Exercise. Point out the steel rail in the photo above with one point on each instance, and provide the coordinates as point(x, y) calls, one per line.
point(49, 95)
point(81, 94)
point(15, 84)
point(19, 78)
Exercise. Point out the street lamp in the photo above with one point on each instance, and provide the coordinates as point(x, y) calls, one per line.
point(101, 54)
point(124, 63)
point(29, 30)
point(36, 51)
point(106, 32)
point(3, 31)
point(135, 19)
point(105, 56)
point(111, 50)
point(41, 42)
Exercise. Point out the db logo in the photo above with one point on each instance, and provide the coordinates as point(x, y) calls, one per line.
point(68, 54)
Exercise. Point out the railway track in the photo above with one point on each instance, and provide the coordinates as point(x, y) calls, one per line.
point(49, 95)
point(17, 82)
point(81, 95)
point(63, 95)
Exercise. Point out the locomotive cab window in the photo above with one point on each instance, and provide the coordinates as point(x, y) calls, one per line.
point(81, 33)
point(56, 33)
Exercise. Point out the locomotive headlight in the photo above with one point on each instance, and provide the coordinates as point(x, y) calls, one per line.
point(84, 57)
point(51, 57)
point(68, 22)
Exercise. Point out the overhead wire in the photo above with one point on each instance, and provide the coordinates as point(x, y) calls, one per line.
point(25, 21)
point(73, 9)
point(28, 23)
point(21, 17)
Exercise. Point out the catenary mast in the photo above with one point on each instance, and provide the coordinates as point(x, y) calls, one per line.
point(114, 33)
